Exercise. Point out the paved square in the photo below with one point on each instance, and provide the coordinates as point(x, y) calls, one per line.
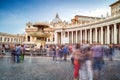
point(43, 68)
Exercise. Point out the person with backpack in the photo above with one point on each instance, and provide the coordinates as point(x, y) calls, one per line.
point(18, 52)
point(65, 52)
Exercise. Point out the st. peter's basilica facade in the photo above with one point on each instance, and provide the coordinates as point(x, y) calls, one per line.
point(103, 30)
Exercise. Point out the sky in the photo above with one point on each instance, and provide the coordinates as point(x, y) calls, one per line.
point(14, 14)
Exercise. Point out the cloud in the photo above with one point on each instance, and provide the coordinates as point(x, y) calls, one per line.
point(94, 13)
point(21, 31)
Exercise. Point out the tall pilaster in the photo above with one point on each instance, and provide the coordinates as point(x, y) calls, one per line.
point(81, 36)
point(72, 37)
point(115, 34)
point(101, 35)
point(68, 37)
point(61, 37)
point(85, 35)
point(10, 39)
point(3, 38)
point(55, 42)
point(96, 35)
point(76, 36)
point(108, 35)
point(112, 34)
point(90, 36)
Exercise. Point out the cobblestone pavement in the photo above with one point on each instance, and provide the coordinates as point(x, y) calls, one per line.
point(35, 68)
point(43, 68)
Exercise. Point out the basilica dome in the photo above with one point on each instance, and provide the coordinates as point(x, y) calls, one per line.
point(56, 19)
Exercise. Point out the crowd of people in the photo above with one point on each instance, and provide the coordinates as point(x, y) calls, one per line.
point(17, 53)
point(87, 59)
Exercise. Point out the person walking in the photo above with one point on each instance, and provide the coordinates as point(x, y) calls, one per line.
point(65, 52)
point(18, 52)
point(83, 65)
point(22, 53)
point(97, 56)
point(76, 56)
point(89, 69)
point(60, 52)
point(111, 52)
point(54, 54)
point(13, 53)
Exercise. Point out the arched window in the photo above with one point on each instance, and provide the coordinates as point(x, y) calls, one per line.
point(28, 26)
point(28, 38)
point(53, 39)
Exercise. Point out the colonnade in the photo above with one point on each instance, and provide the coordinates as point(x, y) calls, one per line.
point(106, 34)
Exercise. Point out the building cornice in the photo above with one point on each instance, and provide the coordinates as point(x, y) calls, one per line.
point(102, 22)
point(115, 3)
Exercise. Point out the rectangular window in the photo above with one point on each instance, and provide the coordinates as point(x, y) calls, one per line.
point(4, 39)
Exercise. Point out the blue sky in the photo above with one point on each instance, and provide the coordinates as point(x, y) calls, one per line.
point(14, 14)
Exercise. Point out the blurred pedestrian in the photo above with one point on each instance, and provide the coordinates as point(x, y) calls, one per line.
point(22, 53)
point(76, 56)
point(89, 69)
point(13, 53)
point(111, 52)
point(18, 52)
point(97, 56)
point(65, 52)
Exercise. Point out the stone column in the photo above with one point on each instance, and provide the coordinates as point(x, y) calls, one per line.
point(112, 34)
point(3, 38)
point(61, 37)
point(119, 33)
point(56, 39)
point(68, 37)
point(105, 35)
point(115, 34)
point(108, 35)
point(76, 37)
point(85, 35)
point(72, 37)
point(96, 35)
point(81, 36)
point(101, 35)
point(90, 36)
